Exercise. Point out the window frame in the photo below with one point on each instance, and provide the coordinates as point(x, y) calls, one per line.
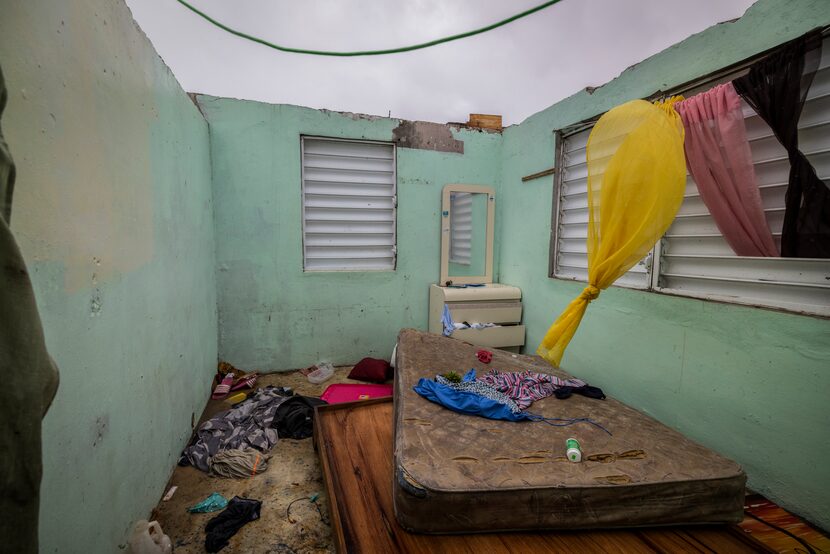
point(654, 260)
point(553, 255)
point(394, 146)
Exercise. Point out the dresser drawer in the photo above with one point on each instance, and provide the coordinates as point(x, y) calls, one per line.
point(495, 337)
point(486, 312)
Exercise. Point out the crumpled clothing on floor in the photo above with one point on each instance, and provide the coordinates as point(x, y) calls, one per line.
point(295, 417)
point(249, 425)
point(222, 527)
point(238, 464)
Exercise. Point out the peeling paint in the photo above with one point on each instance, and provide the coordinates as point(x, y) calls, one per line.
point(95, 303)
point(424, 135)
point(354, 115)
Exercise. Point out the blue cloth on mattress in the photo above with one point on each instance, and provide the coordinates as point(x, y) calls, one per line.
point(465, 402)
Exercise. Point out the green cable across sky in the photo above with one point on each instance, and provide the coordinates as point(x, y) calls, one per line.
point(398, 50)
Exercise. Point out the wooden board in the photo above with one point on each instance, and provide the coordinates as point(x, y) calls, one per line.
point(354, 443)
point(485, 121)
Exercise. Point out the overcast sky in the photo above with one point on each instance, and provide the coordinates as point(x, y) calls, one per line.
point(516, 70)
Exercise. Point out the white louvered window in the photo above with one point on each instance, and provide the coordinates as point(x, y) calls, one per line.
point(461, 227)
point(693, 259)
point(349, 205)
point(571, 226)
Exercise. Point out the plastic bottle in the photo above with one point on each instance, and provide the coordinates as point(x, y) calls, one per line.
point(573, 452)
point(236, 398)
point(148, 538)
point(323, 372)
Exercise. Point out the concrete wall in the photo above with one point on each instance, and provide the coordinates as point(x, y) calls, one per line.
point(113, 212)
point(274, 316)
point(750, 383)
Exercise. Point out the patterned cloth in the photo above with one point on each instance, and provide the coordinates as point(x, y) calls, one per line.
point(249, 425)
point(526, 387)
point(481, 389)
point(238, 464)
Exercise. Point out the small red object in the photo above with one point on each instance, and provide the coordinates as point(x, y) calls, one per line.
point(484, 356)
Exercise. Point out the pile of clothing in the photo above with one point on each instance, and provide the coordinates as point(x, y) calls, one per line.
point(450, 325)
point(236, 442)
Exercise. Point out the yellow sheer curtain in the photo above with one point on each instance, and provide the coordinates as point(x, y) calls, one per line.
point(636, 180)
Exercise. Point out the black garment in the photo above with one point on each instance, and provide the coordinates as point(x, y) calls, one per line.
point(222, 527)
point(776, 87)
point(294, 418)
point(591, 392)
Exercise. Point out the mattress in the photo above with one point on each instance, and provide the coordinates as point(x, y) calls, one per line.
point(354, 443)
point(457, 473)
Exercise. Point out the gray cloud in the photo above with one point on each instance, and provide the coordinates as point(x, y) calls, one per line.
point(515, 71)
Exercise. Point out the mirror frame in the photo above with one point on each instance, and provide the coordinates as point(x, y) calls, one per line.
point(487, 278)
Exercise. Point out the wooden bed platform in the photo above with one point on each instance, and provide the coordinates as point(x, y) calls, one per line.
point(354, 442)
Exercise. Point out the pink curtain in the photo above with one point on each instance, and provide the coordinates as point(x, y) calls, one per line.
point(719, 159)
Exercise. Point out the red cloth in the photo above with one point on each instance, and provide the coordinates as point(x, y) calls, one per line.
point(341, 392)
point(484, 356)
point(371, 370)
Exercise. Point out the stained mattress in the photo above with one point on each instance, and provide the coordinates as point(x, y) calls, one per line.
point(457, 473)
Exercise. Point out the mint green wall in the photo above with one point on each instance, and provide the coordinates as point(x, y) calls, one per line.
point(750, 383)
point(113, 212)
point(274, 316)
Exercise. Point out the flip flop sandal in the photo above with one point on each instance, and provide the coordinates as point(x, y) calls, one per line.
point(223, 388)
point(309, 369)
point(245, 382)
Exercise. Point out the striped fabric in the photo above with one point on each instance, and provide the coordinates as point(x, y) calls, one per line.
point(527, 386)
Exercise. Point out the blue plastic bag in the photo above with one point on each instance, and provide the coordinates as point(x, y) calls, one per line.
point(212, 503)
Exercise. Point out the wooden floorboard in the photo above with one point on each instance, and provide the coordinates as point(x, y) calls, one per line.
point(355, 447)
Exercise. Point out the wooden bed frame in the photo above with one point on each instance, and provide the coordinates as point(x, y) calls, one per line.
point(354, 441)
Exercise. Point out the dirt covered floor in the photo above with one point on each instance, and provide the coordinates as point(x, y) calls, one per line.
point(293, 473)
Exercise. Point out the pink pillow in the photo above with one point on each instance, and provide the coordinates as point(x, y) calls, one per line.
point(371, 370)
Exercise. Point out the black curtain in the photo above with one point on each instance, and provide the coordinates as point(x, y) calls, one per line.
point(776, 87)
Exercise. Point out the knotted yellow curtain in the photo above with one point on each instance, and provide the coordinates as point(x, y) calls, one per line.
point(636, 180)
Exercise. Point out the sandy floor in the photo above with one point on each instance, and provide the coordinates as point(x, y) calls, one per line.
point(293, 472)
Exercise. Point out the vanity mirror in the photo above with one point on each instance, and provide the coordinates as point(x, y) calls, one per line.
point(467, 217)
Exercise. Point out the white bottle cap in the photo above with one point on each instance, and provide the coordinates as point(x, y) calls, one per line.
point(574, 454)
